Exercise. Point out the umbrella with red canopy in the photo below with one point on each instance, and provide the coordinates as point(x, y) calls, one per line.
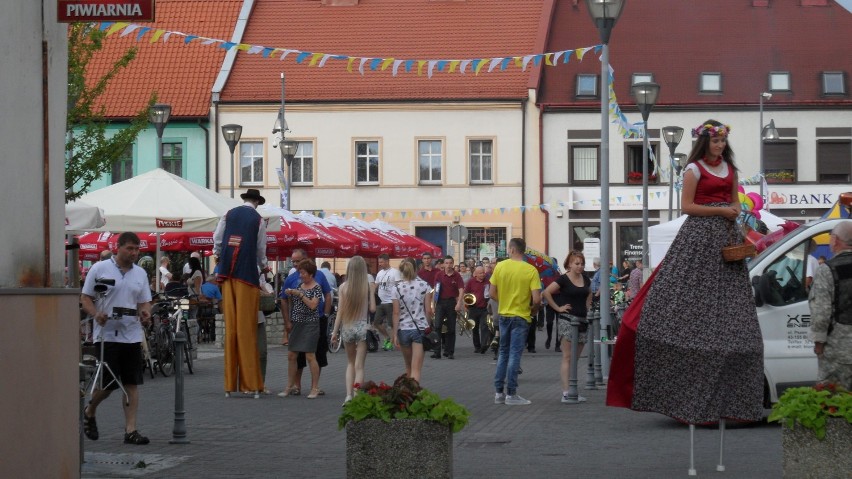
point(372, 244)
point(414, 246)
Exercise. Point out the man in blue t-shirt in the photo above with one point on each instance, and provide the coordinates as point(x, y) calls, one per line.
point(324, 308)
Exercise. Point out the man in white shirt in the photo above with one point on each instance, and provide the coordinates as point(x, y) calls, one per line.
point(325, 268)
point(165, 274)
point(386, 280)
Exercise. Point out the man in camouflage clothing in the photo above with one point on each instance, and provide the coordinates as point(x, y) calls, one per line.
point(831, 310)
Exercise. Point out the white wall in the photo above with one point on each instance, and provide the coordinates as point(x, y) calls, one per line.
point(397, 127)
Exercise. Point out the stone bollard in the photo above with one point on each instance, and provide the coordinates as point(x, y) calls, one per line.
point(573, 395)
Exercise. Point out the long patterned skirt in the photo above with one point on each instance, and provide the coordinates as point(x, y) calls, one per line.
point(699, 350)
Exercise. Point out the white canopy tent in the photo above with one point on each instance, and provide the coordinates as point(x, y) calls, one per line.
point(660, 236)
point(158, 201)
point(81, 216)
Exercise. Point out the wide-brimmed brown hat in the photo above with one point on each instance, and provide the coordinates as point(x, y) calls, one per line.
point(253, 194)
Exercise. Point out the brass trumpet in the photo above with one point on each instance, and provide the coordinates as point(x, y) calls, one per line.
point(466, 324)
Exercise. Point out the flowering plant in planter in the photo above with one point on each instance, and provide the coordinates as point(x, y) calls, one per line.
point(637, 176)
point(404, 400)
point(811, 407)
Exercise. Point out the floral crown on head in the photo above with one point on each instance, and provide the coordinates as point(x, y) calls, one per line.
point(707, 129)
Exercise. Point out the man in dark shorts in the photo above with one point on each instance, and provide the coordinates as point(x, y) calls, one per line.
point(126, 288)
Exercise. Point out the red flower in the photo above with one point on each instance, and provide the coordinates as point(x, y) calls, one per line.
point(356, 385)
point(819, 387)
point(832, 410)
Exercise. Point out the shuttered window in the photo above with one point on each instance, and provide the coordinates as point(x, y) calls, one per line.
point(779, 161)
point(834, 161)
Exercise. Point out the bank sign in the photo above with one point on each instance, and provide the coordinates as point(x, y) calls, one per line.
point(71, 11)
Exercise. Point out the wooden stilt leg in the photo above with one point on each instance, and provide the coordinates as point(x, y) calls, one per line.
point(721, 467)
point(692, 471)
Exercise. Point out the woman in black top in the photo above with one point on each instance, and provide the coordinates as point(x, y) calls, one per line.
point(624, 274)
point(570, 295)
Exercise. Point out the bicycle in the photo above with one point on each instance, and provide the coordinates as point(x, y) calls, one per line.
point(169, 315)
point(333, 346)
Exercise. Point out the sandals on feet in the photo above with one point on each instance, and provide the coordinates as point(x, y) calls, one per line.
point(135, 438)
point(90, 427)
point(314, 394)
point(293, 391)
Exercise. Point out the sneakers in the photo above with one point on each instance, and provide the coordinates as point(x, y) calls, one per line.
point(516, 400)
point(499, 398)
point(388, 345)
point(135, 438)
point(565, 400)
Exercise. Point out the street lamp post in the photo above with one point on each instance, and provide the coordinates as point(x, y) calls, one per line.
point(767, 132)
point(232, 134)
point(604, 14)
point(159, 116)
point(288, 149)
point(672, 136)
point(680, 164)
point(646, 96)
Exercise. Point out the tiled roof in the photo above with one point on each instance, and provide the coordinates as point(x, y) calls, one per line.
point(401, 29)
point(182, 75)
point(678, 40)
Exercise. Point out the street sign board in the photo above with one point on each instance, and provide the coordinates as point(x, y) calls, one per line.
point(70, 11)
point(458, 233)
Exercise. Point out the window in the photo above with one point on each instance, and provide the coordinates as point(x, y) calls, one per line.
point(783, 282)
point(429, 156)
point(779, 161)
point(587, 85)
point(711, 82)
point(173, 158)
point(122, 169)
point(633, 160)
point(367, 162)
point(303, 164)
point(641, 78)
point(584, 164)
point(834, 161)
point(481, 161)
point(485, 243)
point(779, 81)
point(251, 162)
point(833, 83)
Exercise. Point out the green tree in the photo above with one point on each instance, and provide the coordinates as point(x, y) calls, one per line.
point(90, 153)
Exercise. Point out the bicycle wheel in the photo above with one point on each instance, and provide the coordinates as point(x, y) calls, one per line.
point(166, 355)
point(187, 356)
point(333, 346)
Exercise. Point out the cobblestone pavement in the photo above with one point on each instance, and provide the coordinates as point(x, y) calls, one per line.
point(297, 437)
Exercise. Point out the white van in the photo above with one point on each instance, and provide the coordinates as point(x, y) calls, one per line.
point(778, 280)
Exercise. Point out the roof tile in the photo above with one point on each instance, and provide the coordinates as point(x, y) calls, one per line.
point(402, 29)
point(181, 74)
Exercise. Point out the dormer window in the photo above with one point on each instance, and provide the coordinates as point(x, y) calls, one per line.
point(833, 83)
point(711, 82)
point(779, 81)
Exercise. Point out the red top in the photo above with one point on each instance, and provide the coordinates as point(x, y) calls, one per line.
point(477, 288)
point(450, 285)
point(428, 275)
point(711, 188)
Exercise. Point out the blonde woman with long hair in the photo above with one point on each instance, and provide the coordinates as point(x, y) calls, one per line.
point(356, 301)
point(412, 304)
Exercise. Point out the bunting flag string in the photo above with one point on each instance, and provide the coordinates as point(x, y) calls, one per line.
point(428, 67)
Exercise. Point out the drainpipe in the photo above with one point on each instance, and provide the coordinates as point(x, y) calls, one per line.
point(541, 179)
point(216, 139)
point(206, 153)
point(523, 167)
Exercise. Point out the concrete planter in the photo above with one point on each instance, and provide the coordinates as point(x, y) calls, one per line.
point(402, 448)
point(807, 457)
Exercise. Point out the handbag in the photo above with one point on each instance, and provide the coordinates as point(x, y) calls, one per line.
point(430, 339)
point(372, 341)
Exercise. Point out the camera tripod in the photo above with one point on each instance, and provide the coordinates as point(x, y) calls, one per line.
point(97, 379)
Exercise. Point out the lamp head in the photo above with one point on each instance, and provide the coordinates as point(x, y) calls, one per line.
point(672, 136)
point(605, 14)
point(770, 133)
point(766, 95)
point(276, 128)
point(159, 115)
point(288, 149)
point(232, 135)
point(646, 97)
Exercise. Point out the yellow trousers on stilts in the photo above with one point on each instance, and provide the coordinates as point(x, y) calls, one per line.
point(239, 307)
